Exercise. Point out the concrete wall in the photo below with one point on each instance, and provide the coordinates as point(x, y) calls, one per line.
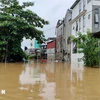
point(36, 44)
point(67, 34)
point(59, 32)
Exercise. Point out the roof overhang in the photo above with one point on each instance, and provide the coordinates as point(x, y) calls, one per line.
point(75, 3)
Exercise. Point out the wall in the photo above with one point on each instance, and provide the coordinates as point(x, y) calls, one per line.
point(67, 34)
point(59, 32)
point(96, 4)
point(76, 57)
point(51, 50)
point(36, 44)
point(51, 44)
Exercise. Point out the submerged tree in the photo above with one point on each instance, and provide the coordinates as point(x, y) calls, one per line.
point(17, 22)
point(88, 45)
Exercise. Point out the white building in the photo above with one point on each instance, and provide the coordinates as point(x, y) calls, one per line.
point(85, 15)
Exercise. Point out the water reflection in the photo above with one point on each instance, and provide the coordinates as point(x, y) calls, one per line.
point(32, 75)
point(49, 81)
point(39, 79)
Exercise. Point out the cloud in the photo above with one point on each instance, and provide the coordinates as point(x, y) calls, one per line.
point(51, 10)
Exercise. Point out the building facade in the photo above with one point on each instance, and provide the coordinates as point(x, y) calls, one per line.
point(85, 15)
point(66, 36)
point(51, 48)
point(59, 42)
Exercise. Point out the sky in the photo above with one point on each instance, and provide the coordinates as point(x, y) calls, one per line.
point(50, 10)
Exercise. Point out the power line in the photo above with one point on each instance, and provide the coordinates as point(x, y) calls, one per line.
point(49, 29)
point(66, 22)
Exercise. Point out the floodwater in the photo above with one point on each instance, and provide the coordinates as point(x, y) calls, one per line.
point(49, 81)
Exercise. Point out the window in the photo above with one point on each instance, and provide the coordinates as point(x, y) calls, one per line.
point(79, 23)
point(88, 1)
point(74, 47)
point(61, 30)
point(96, 18)
point(89, 16)
point(80, 7)
point(84, 4)
point(68, 40)
point(83, 23)
point(76, 26)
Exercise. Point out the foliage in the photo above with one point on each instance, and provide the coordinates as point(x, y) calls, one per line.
point(16, 22)
point(88, 45)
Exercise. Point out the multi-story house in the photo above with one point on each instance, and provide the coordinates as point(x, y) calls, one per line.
point(66, 36)
point(59, 42)
point(85, 15)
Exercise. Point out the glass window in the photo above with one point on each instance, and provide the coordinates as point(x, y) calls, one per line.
point(83, 23)
point(89, 16)
point(76, 26)
point(96, 18)
point(84, 4)
point(74, 47)
point(80, 7)
point(79, 23)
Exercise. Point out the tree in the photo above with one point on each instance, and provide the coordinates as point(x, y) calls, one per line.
point(88, 45)
point(16, 22)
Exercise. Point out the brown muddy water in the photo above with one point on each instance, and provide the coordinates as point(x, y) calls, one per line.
point(49, 81)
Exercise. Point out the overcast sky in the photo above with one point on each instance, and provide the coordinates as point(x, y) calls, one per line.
point(51, 10)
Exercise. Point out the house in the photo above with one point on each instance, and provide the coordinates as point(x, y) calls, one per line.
point(51, 48)
point(44, 50)
point(66, 36)
point(85, 15)
point(59, 43)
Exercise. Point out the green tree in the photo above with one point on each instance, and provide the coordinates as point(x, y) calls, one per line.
point(16, 22)
point(88, 45)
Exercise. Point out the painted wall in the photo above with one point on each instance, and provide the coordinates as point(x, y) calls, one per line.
point(51, 44)
point(36, 44)
point(59, 46)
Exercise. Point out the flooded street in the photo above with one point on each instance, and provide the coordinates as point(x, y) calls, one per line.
point(49, 81)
